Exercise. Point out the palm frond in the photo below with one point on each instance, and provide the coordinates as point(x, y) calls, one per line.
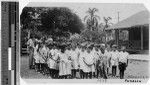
point(96, 16)
point(95, 9)
point(104, 18)
point(109, 18)
point(95, 20)
point(86, 17)
point(89, 10)
point(88, 22)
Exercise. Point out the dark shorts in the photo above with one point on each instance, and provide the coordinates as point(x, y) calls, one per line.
point(122, 66)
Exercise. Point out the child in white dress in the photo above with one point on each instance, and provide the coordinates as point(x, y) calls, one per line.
point(64, 68)
point(36, 56)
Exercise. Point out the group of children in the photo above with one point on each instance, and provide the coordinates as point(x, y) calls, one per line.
point(80, 61)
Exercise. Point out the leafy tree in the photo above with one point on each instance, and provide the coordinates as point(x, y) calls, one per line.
point(92, 36)
point(30, 20)
point(56, 21)
point(92, 19)
point(60, 22)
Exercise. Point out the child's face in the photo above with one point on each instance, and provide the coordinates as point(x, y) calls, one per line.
point(62, 50)
point(88, 50)
point(73, 48)
point(83, 49)
point(68, 48)
point(79, 46)
point(96, 49)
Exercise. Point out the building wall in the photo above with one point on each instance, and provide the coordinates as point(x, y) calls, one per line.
point(146, 37)
point(135, 38)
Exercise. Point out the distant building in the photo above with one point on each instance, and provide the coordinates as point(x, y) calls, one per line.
point(132, 32)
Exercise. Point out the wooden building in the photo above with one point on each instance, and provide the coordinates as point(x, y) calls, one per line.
point(132, 32)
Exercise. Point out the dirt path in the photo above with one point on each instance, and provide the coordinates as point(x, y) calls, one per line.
point(135, 69)
point(28, 73)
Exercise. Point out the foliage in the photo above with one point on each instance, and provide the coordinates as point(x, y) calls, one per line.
point(60, 21)
point(107, 22)
point(24, 35)
point(29, 19)
point(92, 36)
point(56, 22)
point(75, 38)
point(92, 19)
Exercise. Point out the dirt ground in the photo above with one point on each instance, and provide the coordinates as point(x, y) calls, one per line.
point(136, 69)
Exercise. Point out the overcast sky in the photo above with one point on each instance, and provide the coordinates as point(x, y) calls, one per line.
point(105, 9)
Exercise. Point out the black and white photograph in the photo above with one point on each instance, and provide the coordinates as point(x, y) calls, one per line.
point(84, 41)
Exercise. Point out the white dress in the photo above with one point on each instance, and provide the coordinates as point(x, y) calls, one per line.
point(114, 58)
point(62, 69)
point(81, 62)
point(41, 59)
point(68, 66)
point(51, 61)
point(108, 54)
point(95, 56)
point(44, 54)
point(36, 55)
point(89, 63)
point(74, 58)
point(56, 58)
point(64, 65)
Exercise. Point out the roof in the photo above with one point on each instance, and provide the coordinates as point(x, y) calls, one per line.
point(140, 18)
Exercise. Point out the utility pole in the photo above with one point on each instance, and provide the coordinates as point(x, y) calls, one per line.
point(117, 32)
point(118, 17)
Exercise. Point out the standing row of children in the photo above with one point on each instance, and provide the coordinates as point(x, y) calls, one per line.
point(80, 61)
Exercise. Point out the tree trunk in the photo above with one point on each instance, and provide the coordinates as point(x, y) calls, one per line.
point(29, 33)
point(104, 35)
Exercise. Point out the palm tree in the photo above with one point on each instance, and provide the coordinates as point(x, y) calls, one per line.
point(106, 24)
point(92, 19)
